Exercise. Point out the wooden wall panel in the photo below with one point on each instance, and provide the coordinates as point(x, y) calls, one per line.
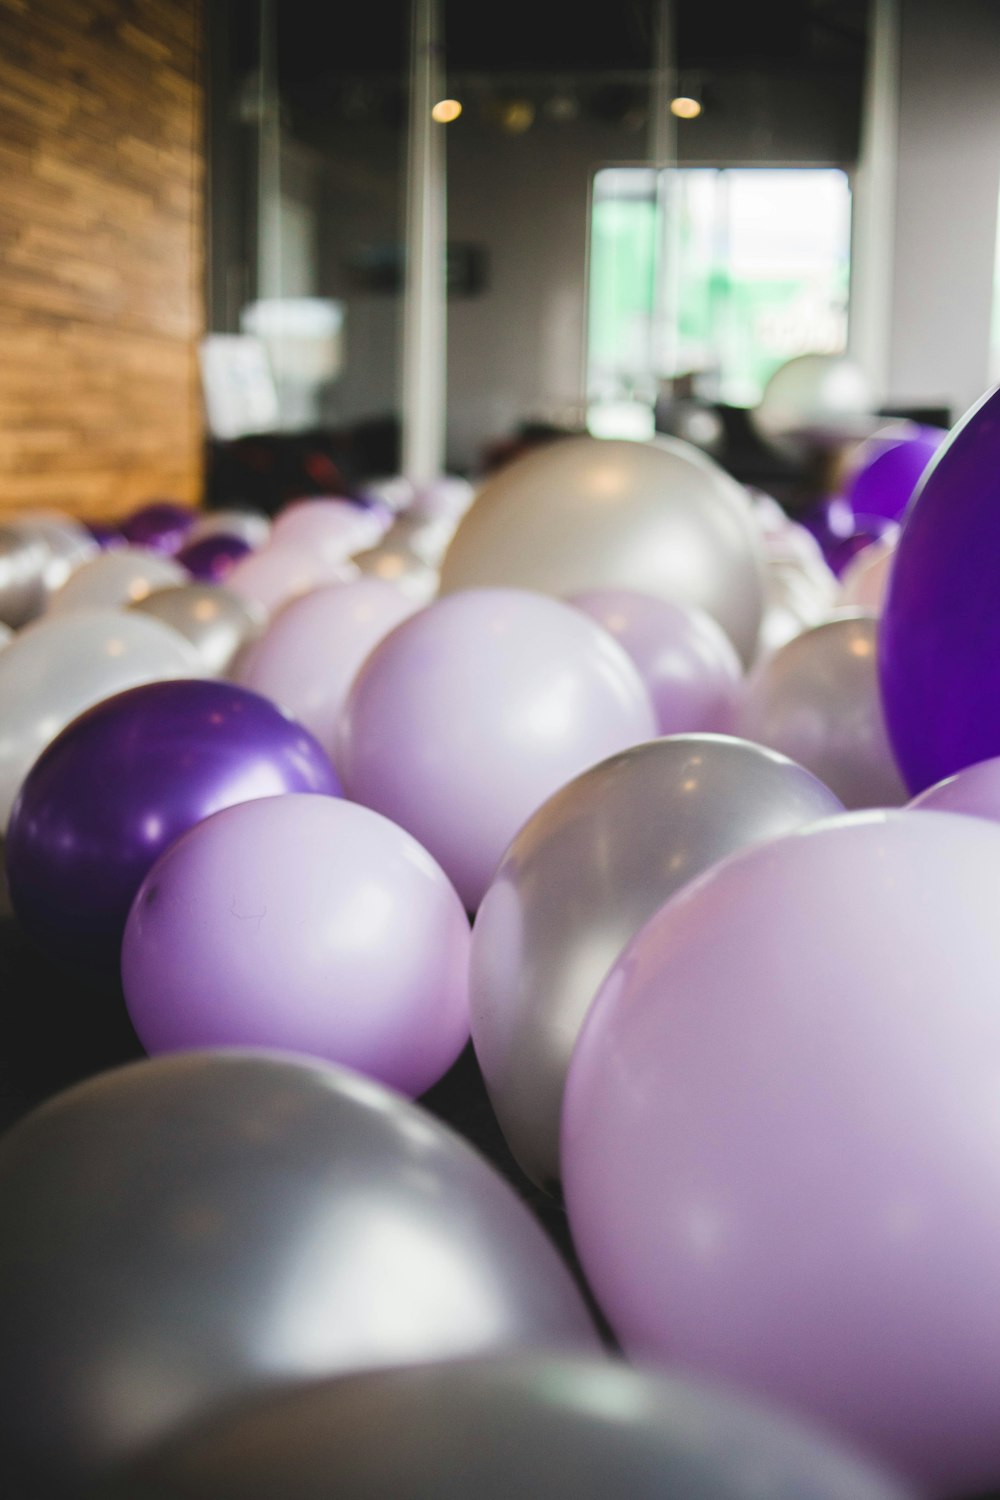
point(100, 252)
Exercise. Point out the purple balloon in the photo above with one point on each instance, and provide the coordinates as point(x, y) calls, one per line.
point(831, 521)
point(868, 530)
point(684, 657)
point(974, 791)
point(888, 468)
point(780, 1148)
point(120, 783)
point(939, 642)
point(162, 526)
point(309, 925)
point(472, 712)
point(211, 557)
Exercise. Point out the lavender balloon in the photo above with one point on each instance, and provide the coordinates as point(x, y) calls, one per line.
point(313, 649)
point(779, 1147)
point(306, 924)
point(335, 529)
point(974, 791)
point(121, 783)
point(939, 643)
point(211, 558)
point(162, 526)
point(686, 659)
point(888, 468)
point(471, 713)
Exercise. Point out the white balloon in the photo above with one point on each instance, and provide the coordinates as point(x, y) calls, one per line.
point(116, 578)
point(820, 399)
point(865, 580)
point(248, 525)
point(60, 665)
point(67, 542)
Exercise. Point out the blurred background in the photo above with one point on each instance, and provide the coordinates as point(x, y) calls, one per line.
point(255, 249)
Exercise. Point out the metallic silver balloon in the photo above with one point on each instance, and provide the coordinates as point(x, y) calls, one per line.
point(23, 561)
point(816, 400)
point(565, 1429)
point(67, 542)
point(396, 561)
point(114, 579)
point(217, 622)
point(817, 699)
point(186, 1231)
point(248, 525)
point(579, 880)
point(586, 513)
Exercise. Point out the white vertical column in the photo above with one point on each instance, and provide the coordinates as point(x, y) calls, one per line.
point(874, 207)
point(269, 278)
point(425, 309)
point(663, 156)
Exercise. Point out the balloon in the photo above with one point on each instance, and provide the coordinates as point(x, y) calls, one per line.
point(68, 544)
point(60, 665)
point(473, 711)
point(248, 525)
point(578, 882)
point(974, 791)
point(217, 622)
point(116, 578)
point(940, 632)
point(817, 399)
point(448, 497)
point(868, 532)
point(887, 468)
point(23, 561)
point(566, 1429)
point(204, 1226)
point(162, 525)
point(817, 701)
point(393, 562)
point(211, 558)
point(586, 513)
point(336, 529)
point(866, 577)
point(120, 783)
point(686, 660)
point(786, 1178)
point(312, 651)
point(107, 536)
point(277, 574)
point(351, 943)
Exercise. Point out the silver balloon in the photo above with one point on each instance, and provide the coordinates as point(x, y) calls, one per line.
point(580, 879)
point(67, 543)
point(23, 560)
point(217, 622)
point(816, 400)
point(249, 525)
point(115, 579)
point(585, 513)
point(186, 1231)
point(395, 560)
point(565, 1429)
point(60, 665)
point(817, 700)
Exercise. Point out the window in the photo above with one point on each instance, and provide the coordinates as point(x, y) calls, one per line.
point(720, 274)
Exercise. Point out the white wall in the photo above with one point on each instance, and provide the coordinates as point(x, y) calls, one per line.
point(947, 181)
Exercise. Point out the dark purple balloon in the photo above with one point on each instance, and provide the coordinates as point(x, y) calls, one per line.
point(888, 471)
point(831, 521)
point(939, 643)
point(162, 526)
point(121, 783)
point(211, 557)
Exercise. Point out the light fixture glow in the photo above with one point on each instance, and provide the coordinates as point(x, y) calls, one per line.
point(446, 110)
point(685, 108)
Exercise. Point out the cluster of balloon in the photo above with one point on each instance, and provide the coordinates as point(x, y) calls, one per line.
point(940, 628)
point(817, 700)
point(124, 780)
point(312, 542)
point(784, 1181)
point(556, 917)
point(800, 588)
point(532, 692)
point(306, 924)
point(567, 1428)
point(198, 1228)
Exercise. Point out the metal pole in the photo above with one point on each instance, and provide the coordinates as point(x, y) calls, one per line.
point(663, 155)
point(425, 349)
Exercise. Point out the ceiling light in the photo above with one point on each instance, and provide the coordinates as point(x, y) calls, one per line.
point(446, 110)
point(685, 108)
